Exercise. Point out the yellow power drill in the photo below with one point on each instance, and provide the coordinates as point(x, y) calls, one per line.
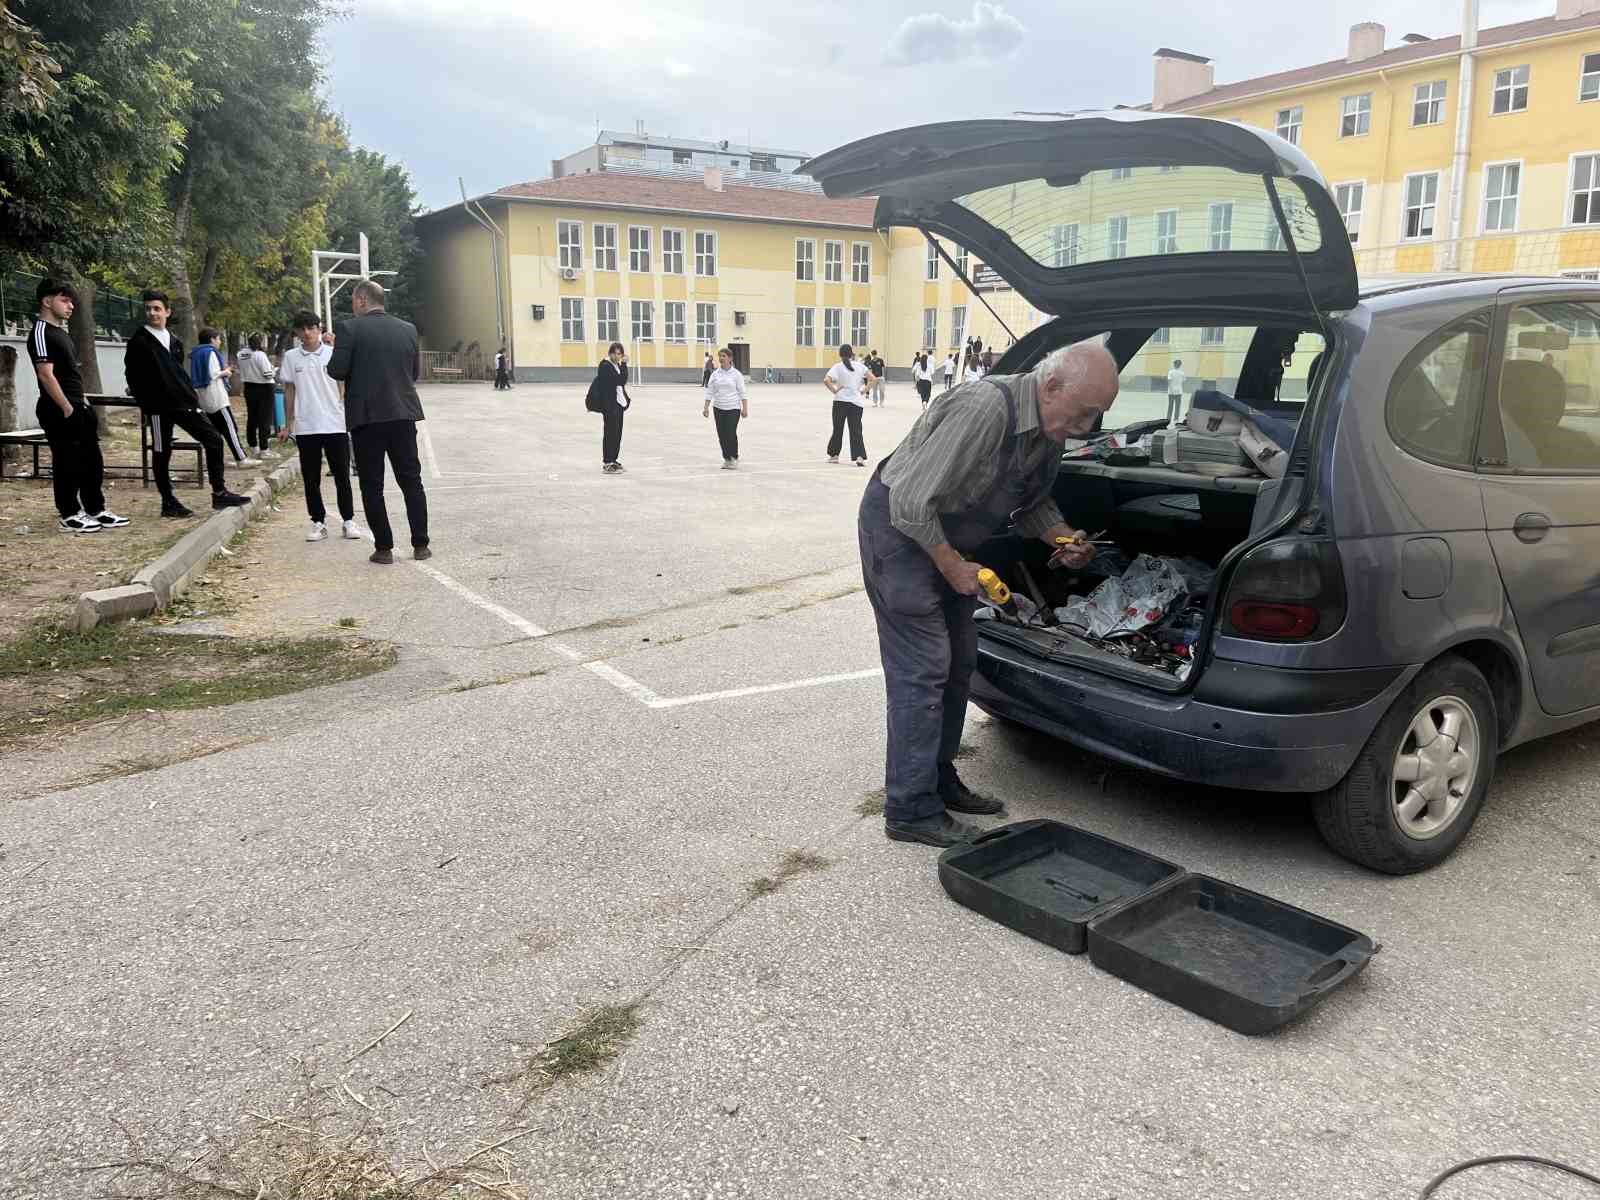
point(998, 593)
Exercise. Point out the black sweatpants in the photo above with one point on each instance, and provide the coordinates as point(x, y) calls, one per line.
point(398, 440)
point(260, 407)
point(611, 437)
point(727, 420)
point(336, 446)
point(228, 429)
point(77, 470)
point(846, 413)
point(925, 390)
point(198, 426)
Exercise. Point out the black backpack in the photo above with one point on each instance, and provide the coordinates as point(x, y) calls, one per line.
point(591, 401)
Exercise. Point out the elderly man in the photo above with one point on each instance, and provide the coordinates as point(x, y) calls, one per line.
point(986, 454)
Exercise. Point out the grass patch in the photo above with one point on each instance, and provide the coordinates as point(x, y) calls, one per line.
point(871, 805)
point(473, 685)
point(792, 864)
point(347, 622)
point(601, 1034)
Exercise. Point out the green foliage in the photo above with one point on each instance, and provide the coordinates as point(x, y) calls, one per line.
point(374, 196)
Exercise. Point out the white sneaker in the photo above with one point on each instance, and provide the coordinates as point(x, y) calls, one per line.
point(727, 464)
point(80, 523)
point(351, 532)
point(249, 462)
point(833, 458)
point(109, 519)
point(317, 532)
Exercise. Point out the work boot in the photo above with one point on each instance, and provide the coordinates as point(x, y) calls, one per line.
point(942, 830)
point(420, 553)
point(958, 797)
point(384, 558)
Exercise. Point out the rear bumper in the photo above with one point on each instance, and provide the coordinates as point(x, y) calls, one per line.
point(1320, 723)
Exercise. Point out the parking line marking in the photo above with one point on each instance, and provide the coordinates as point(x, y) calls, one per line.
point(520, 624)
point(763, 689)
point(427, 450)
point(625, 683)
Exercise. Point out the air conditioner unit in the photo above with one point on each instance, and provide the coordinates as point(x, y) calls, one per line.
point(569, 272)
point(738, 317)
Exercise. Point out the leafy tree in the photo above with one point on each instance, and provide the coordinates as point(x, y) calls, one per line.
point(374, 196)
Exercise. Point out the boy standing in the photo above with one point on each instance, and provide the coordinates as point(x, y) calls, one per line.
point(313, 413)
point(1175, 381)
point(69, 423)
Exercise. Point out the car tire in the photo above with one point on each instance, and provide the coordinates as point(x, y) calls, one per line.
point(1409, 801)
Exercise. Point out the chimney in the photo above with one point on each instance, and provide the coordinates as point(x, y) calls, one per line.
point(1366, 41)
point(1180, 76)
point(713, 179)
point(1567, 10)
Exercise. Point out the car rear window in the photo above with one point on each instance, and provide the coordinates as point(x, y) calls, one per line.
point(1183, 360)
point(1436, 395)
point(1140, 212)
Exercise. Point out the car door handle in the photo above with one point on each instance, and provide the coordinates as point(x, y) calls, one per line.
point(1531, 527)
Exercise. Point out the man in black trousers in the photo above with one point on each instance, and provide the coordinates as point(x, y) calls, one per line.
point(378, 360)
point(157, 371)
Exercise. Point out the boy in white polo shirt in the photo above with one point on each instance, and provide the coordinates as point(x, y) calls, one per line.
point(314, 416)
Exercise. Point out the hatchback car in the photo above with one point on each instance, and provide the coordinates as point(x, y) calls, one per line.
point(1418, 591)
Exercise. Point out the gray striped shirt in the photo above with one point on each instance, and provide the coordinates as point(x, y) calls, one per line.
point(953, 457)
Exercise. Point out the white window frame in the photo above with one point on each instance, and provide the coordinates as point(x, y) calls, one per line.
point(958, 324)
point(1206, 338)
point(1588, 81)
point(600, 252)
point(569, 250)
point(805, 325)
point(1434, 100)
point(635, 250)
point(668, 254)
point(700, 326)
point(832, 267)
point(572, 319)
point(1359, 212)
point(1515, 198)
point(643, 328)
point(860, 264)
point(682, 323)
point(963, 262)
point(1162, 336)
point(1065, 244)
point(1360, 114)
point(1121, 173)
point(860, 326)
point(601, 321)
point(1510, 88)
point(930, 328)
point(1289, 122)
point(930, 270)
point(805, 260)
point(1593, 191)
point(1219, 239)
point(834, 317)
point(1112, 242)
point(702, 256)
point(1406, 206)
point(1165, 243)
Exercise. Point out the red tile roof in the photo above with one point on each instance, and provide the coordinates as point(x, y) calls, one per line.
point(1488, 39)
point(609, 189)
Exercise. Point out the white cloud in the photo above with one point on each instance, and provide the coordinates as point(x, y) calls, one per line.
point(676, 69)
point(990, 33)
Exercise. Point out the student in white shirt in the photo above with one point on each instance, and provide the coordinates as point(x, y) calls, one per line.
point(849, 381)
point(949, 370)
point(922, 372)
point(725, 395)
point(1175, 382)
point(313, 414)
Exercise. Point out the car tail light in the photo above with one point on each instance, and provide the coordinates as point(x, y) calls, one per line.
point(1287, 591)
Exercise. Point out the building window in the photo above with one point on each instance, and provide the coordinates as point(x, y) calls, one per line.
point(962, 262)
point(1121, 172)
point(1161, 337)
point(1117, 237)
point(763, 162)
point(930, 327)
point(1222, 226)
point(1063, 245)
point(672, 251)
point(859, 327)
point(572, 318)
point(675, 317)
point(682, 158)
point(861, 262)
point(1167, 231)
point(605, 247)
point(958, 325)
point(1502, 184)
point(832, 262)
point(639, 249)
point(1289, 122)
point(832, 326)
point(605, 321)
point(1213, 335)
point(644, 329)
point(805, 260)
point(705, 253)
point(1589, 79)
point(569, 244)
point(805, 327)
point(705, 324)
point(1350, 197)
point(1586, 189)
point(1422, 201)
point(1427, 103)
point(931, 271)
point(1510, 90)
point(1355, 118)
point(1274, 238)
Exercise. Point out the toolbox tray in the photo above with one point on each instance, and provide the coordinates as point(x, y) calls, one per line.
point(1242, 959)
point(1049, 880)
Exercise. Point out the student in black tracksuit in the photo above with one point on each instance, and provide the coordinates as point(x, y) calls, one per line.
point(158, 378)
point(610, 389)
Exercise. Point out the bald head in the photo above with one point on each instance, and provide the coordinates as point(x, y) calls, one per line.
point(1076, 384)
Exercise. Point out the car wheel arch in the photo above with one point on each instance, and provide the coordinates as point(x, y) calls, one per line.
point(1502, 669)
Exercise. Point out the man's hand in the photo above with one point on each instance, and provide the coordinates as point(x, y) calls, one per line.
point(1073, 557)
point(961, 575)
point(286, 432)
point(744, 411)
point(706, 411)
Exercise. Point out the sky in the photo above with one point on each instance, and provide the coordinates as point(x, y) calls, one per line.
point(491, 91)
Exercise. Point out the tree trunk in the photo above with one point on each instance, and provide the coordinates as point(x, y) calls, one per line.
point(81, 329)
point(183, 317)
point(8, 391)
point(208, 276)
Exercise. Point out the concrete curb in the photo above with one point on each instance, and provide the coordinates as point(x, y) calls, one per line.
point(155, 584)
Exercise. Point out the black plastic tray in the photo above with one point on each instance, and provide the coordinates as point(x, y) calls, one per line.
point(1242, 959)
point(1049, 880)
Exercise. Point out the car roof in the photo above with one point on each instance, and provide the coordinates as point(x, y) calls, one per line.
point(1422, 288)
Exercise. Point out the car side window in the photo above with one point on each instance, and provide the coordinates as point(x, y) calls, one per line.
point(1435, 397)
point(1550, 387)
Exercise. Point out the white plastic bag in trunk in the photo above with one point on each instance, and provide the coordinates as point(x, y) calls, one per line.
point(1269, 457)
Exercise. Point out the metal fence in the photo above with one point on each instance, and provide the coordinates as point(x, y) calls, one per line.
point(445, 366)
point(113, 314)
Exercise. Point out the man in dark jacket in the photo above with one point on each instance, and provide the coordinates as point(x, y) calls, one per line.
point(157, 372)
point(377, 358)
